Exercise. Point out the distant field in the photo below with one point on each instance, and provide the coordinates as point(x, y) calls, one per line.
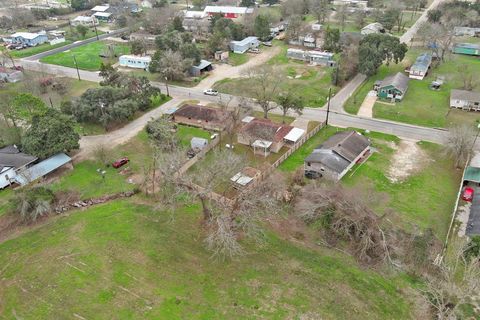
point(125, 260)
point(87, 56)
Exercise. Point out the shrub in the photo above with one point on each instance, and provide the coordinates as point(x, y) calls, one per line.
point(33, 203)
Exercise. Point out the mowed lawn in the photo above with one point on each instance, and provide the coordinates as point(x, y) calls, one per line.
point(311, 83)
point(124, 260)
point(36, 50)
point(426, 198)
point(421, 105)
point(87, 56)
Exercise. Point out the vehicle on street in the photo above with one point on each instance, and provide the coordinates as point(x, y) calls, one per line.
point(467, 194)
point(120, 162)
point(210, 92)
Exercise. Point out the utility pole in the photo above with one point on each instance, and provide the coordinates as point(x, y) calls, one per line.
point(328, 105)
point(166, 85)
point(95, 27)
point(76, 66)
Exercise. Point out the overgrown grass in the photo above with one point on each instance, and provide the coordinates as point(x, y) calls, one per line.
point(128, 261)
point(36, 50)
point(87, 56)
point(236, 59)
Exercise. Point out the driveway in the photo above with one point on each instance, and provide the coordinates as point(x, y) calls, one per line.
point(366, 109)
point(473, 225)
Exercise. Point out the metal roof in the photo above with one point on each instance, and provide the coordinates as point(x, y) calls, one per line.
point(245, 41)
point(261, 144)
point(136, 58)
point(26, 35)
point(423, 62)
point(472, 174)
point(42, 168)
point(100, 8)
point(295, 134)
point(226, 9)
point(468, 46)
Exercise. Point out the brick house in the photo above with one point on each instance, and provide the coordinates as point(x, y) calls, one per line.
point(203, 117)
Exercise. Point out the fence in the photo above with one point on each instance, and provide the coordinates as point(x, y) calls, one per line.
point(197, 157)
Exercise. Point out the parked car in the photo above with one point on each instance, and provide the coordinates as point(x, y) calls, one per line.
point(467, 194)
point(254, 50)
point(267, 43)
point(210, 92)
point(120, 162)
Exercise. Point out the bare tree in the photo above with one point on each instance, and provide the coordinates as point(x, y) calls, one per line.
point(321, 10)
point(170, 64)
point(264, 86)
point(454, 284)
point(459, 143)
point(236, 113)
point(342, 16)
point(467, 75)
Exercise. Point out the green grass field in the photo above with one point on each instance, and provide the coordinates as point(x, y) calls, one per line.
point(124, 260)
point(186, 133)
point(236, 59)
point(36, 50)
point(422, 106)
point(87, 56)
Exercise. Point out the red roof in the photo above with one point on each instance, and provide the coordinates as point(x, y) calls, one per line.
point(266, 129)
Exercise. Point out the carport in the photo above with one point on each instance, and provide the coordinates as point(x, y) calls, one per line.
point(472, 179)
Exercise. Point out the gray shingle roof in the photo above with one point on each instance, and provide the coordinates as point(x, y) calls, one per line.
point(399, 81)
point(340, 150)
point(471, 96)
point(10, 156)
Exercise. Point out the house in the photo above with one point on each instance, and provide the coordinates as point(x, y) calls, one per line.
point(371, 28)
point(200, 116)
point(263, 135)
point(10, 75)
point(360, 4)
point(466, 31)
point(11, 161)
point(136, 62)
point(470, 49)
point(41, 169)
point(203, 66)
point(393, 87)
point(244, 45)
point(89, 21)
point(103, 16)
point(227, 11)
point(28, 38)
point(101, 8)
point(245, 177)
point(313, 57)
point(465, 100)
point(336, 156)
point(191, 14)
point(419, 69)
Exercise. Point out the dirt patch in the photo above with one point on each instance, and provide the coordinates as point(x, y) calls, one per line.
point(408, 159)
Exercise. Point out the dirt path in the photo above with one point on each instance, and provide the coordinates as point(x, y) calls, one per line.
point(366, 109)
point(222, 71)
point(407, 160)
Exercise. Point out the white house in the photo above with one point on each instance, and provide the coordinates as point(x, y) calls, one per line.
point(85, 21)
point(244, 45)
point(137, 62)
point(228, 12)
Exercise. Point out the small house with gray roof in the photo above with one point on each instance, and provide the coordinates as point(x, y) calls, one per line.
point(392, 87)
point(336, 156)
point(465, 100)
point(419, 69)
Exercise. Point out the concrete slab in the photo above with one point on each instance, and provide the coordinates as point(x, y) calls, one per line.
point(366, 109)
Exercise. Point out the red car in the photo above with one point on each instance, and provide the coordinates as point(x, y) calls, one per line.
point(467, 194)
point(120, 162)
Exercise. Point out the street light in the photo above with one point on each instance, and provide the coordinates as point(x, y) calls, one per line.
point(166, 85)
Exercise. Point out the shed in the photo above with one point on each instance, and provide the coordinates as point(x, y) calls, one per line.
point(245, 177)
point(42, 168)
point(244, 45)
point(198, 144)
point(393, 87)
point(294, 135)
point(203, 66)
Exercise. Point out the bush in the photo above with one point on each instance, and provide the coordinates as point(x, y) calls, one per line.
point(33, 203)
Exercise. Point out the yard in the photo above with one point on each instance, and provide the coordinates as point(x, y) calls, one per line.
point(424, 198)
point(87, 56)
point(236, 59)
point(131, 260)
point(310, 82)
point(421, 105)
point(36, 50)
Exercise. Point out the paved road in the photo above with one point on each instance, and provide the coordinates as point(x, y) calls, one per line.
point(408, 35)
point(74, 45)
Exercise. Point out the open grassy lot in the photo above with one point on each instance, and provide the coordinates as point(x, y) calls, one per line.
point(425, 198)
point(236, 59)
point(38, 49)
point(186, 133)
point(124, 260)
point(422, 106)
point(88, 56)
point(310, 82)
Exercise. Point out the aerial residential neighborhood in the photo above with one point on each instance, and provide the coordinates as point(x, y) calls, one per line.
point(171, 159)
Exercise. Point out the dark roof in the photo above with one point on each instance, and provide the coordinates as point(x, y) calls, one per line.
point(340, 150)
point(265, 129)
point(201, 113)
point(399, 81)
point(10, 156)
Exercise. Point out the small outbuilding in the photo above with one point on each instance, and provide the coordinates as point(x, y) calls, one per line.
point(419, 69)
point(202, 67)
point(245, 177)
point(393, 87)
point(198, 144)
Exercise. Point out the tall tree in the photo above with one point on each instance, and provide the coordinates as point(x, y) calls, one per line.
point(264, 86)
point(332, 40)
point(377, 48)
point(262, 26)
point(289, 102)
point(169, 64)
point(459, 143)
point(51, 133)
